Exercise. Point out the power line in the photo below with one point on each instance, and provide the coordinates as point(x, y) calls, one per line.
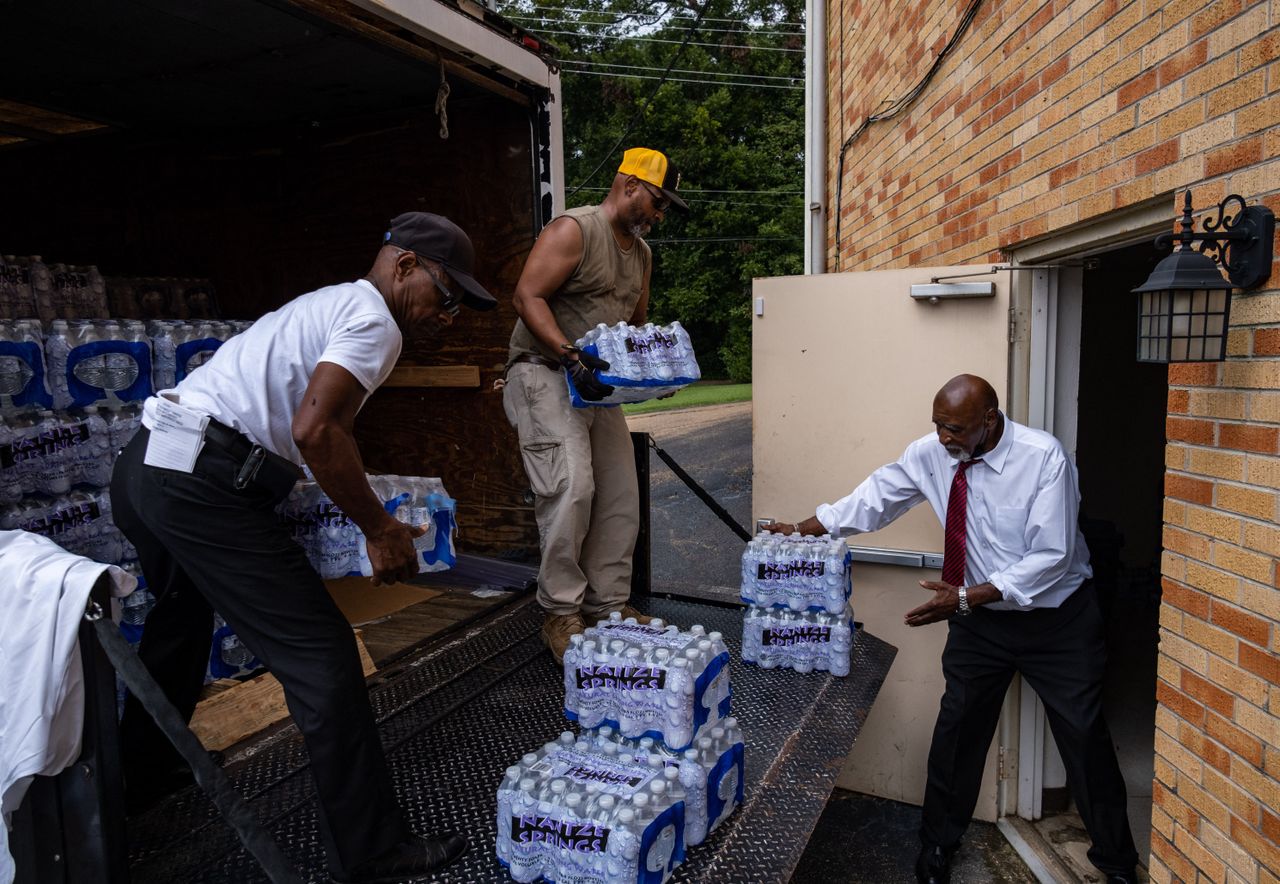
point(537, 10)
point(632, 67)
point(660, 242)
point(658, 40)
point(605, 24)
point(680, 80)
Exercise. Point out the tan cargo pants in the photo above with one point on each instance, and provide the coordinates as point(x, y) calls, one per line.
point(582, 471)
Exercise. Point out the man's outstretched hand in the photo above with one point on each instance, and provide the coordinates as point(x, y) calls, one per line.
point(582, 370)
point(943, 605)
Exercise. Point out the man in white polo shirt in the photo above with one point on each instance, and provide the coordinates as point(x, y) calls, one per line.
point(196, 491)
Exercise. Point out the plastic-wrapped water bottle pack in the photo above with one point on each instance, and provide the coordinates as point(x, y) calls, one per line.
point(644, 363)
point(711, 771)
point(647, 680)
point(78, 521)
point(334, 544)
point(24, 381)
point(48, 452)
point(575, 811)
point(797, 572)
point(805, 641)
point(180, 347)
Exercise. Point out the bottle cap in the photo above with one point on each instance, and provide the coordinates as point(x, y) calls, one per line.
point(559, 786)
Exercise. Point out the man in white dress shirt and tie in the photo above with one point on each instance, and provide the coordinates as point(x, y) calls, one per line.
point(1017, 592)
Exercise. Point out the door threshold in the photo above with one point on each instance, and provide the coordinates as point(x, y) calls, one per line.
point(1049, 857)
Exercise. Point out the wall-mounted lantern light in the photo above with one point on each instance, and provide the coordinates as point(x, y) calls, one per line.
point(1186, 304)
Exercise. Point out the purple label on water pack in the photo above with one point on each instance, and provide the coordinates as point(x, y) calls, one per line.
point(787, 570)
point(795, 635)
point(622, 678)
point(583, 837)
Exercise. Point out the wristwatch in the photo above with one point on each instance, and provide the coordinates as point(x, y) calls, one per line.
point(964, 610)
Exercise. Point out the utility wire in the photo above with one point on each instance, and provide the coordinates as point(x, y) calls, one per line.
point(897, 106)
point(540, 10)
point(706, 4)
point(659, 242)
point(682, 43)
point(676, 80)
point(634, 67)
point(748, 32)
point(689, 190)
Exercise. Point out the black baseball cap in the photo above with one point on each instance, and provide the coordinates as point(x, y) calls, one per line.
point(437, 238)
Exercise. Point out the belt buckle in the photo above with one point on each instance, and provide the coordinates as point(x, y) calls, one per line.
point(249, 469)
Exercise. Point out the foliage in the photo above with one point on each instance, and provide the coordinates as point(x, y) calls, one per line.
point(730, 135)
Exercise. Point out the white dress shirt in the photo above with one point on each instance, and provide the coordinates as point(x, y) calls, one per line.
point(1021, 519)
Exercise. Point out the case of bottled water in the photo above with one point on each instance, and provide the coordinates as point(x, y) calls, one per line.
point(23, 378)
point(644, 363)
point(647, 680)
point(180, 347)
point(228, 657)
point(805, 641)
point(334, 544)
point(711, 771)
point(79, 521)
point(98, 362)
point(575, 812)
point(797, 572)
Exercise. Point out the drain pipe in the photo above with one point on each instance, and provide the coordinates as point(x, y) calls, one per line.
point(815, 127)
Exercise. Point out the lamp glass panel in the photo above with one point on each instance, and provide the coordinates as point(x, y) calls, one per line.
point(1197, 325)
point(1199, 298)
point(1181, 303)
point(1178, 350)
point(1213, 325)
point(1218, 301)
point(1195, 349)
point(1181, 325)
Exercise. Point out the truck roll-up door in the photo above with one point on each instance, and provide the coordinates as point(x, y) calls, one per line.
point(845, 368)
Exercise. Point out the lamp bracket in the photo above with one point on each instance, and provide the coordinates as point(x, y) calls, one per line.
point(1240, 243)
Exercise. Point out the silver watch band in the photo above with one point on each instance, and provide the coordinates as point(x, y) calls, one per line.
point(964, 610)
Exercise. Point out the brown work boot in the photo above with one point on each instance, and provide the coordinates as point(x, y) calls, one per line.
point(558, 629)
point(625, 611)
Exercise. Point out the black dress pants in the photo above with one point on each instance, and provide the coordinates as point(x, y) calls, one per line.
point(1061, 654)
point(203, 545)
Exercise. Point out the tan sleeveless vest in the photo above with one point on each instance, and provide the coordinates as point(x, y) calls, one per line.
point(604, 287)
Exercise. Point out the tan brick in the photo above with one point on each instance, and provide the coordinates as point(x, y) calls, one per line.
point(1215, 524)
point(1187, 764)
point(1218, 464)
point(1264, 49)
point(1265, 851)
point(1236, 93)
point(1219, 846)
point(1260, 470)
point(1210, 866)
point(1239, 342)
point(1216, 403)
point(1256, 309)
point(1246, 501)
point(1265, 538)
point(1216, 641)
point(1260, 784)
point(1179, 867)
point(1261, 600)
point(1236, 680)
point(1185, 543)
point(1264, 407)
point(1172, 565)
point(1259, 722)
point(1187, 653)
point(1174, 512)
point(1259, 116)
point(1207, 805)
point(1204, 691)
point(1171, 619)
point(1212, 754)
point(1237, 31)
point(1260, 375)
point(1212, 75)
point(1255, 180)
point(1175, 456)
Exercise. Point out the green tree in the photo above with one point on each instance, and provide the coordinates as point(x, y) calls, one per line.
point(724, 100)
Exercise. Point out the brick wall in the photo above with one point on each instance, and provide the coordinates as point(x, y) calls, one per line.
point(1047, 115)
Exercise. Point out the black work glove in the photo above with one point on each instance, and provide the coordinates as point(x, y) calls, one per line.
point(582, 370)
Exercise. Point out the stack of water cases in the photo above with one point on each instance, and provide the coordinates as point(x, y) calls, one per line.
point(797, 589)
point(657, 766)
point(336, 547)
point(644, 363)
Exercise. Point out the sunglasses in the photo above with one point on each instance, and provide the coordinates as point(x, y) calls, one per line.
point(450, 303)
point(660, 201)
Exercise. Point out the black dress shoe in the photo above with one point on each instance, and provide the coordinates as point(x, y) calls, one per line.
point(933, 866)
point(417, 856)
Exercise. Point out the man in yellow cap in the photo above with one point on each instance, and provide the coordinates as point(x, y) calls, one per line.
point(589, 266)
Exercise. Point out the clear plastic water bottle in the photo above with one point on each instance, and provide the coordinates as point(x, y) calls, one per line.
point(135, 607)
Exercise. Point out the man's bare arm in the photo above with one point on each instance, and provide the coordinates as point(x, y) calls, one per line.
point(551, 262)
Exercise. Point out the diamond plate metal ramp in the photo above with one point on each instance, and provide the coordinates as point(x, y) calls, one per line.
point(453, 717)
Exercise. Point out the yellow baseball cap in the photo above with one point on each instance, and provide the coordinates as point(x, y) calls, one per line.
point(654, 167)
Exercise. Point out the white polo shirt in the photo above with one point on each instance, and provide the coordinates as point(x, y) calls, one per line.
point(255, 381)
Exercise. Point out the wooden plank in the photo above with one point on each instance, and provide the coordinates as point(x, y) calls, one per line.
point(434, 376)
point(228, 715)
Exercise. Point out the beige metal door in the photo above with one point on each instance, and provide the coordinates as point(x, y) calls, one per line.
point(845, 367)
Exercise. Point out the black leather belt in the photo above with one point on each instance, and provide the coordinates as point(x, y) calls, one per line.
point(257, 465)
point(544, 361)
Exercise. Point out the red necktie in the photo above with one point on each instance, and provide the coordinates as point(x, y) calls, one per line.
point(953, 550)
